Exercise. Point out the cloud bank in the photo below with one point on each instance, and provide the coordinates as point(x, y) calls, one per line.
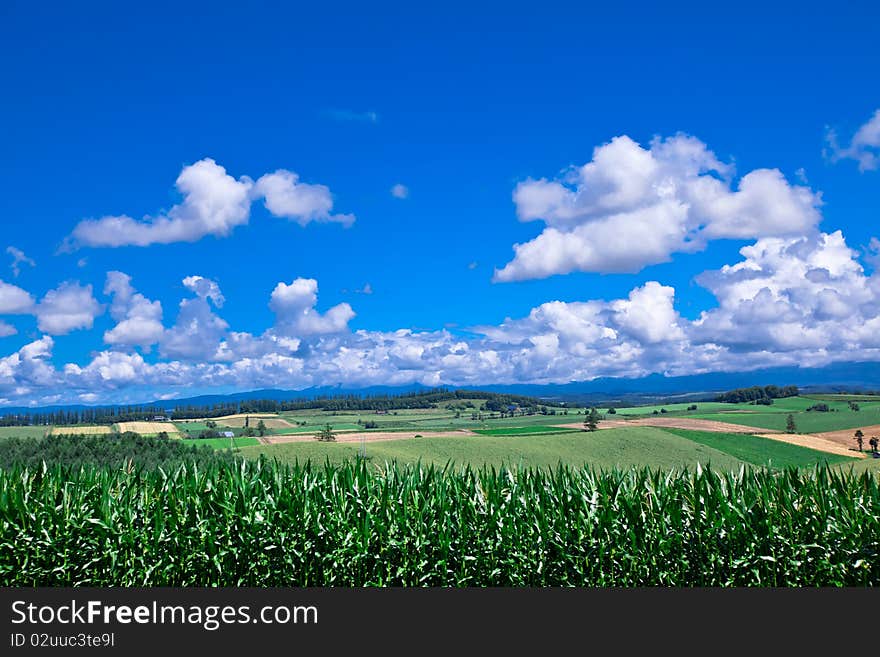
point(802, 300)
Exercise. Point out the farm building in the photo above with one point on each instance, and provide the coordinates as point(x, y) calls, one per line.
point(227, 434)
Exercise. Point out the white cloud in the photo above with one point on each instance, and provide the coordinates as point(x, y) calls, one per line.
point(285, 196)
point(214, 203)
point(864, 147)
point(7, 329)
point(139, 320)
point(294, 307)
point(18, 259)
point(67, 308)
point(28, 368)
point(205, 288)
point(400, 191)
point(198, 332)
point(806, 299)
point(14, 300)
point(630, 207)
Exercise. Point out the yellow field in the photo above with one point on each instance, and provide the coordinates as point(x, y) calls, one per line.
point(145, 428)
point(79, 431)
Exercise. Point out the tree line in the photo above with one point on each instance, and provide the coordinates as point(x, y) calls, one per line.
point(757, 394)
point(492, 401)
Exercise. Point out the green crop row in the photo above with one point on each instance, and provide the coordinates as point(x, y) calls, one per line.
point(263, 524)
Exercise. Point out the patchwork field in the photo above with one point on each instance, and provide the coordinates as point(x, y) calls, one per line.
point(637, 446)
point(762, 450)
point(847, 437)
point(815, 442)
point(366, 436)
point(726, 435)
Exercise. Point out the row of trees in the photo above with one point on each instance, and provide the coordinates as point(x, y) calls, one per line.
point(757, 394)
point(74, 416)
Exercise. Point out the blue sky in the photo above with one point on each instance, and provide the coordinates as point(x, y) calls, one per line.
point(104, 107)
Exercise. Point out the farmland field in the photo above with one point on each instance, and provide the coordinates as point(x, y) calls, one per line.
point(22, 432)
point(765, 452)
point(806, 421)
point(270, 421)
point(80, 430)
point(637, 446)
point(146, 428)
point(221, 443)
point(518, 431)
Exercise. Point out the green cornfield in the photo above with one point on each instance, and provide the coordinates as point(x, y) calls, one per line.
point(267, 524)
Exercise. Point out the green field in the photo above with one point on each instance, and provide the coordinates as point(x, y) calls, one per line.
point(22, 432)
point(806, 422)
point(764, 452)
point(221, 443)
point(521, 431)
point(702, 407)
point(845, 397)
point(626, 447)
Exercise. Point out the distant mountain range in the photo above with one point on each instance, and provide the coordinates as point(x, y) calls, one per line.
point(840, 377)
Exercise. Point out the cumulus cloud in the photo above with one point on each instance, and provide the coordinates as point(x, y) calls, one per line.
point(214, 203)
point(198, 332)
point(294, 307)
point(139, 320)
point(67, 308)
point(7, 329)
point(864, 147)
point(804, 299)
point(285, 196)
point(400, 191)
point(14, 300)
point(630, 207)
point(18, 259)
point(28, 369)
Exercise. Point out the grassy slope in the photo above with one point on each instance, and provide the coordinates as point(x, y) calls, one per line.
point(761, 451)
point(636, 446)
